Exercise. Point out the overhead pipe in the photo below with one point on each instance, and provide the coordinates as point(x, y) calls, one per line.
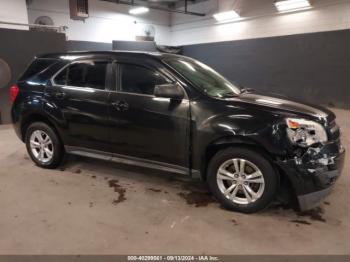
point(132, 3)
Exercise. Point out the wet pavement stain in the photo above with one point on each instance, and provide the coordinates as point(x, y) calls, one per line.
point(314, 214)
point(120, 199)
point(297, 221)
point(117, 188)
point(154, 190)
point(198, 199)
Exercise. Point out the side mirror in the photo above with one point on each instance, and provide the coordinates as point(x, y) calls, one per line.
point(172, 91)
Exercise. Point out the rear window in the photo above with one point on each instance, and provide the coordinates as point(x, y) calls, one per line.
point(37, 66)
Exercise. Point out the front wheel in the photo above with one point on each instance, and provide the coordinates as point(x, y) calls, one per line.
point(242, 180)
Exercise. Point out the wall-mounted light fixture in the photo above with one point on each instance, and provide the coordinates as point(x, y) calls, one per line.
point(292, 5)
point(226, 16)
point(139, 10)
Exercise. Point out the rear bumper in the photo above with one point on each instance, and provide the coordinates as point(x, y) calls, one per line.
point(314, 174)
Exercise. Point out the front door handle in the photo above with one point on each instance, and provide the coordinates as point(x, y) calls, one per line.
point(120, 106)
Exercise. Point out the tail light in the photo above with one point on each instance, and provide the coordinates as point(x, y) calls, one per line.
point(13, 93)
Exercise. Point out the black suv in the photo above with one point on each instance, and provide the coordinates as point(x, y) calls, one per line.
point(176, 114)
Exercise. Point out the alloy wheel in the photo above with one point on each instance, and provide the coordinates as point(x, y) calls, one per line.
point(41, 146)
point(240, 181)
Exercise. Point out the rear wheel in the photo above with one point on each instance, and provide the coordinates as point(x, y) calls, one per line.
point(242, 179)
point(43, 145)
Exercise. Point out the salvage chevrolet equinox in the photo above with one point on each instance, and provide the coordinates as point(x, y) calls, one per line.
point(173, 113)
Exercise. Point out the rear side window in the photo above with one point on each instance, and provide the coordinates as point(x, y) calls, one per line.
point(139, 80)
point(84, 74)
point(37, 66)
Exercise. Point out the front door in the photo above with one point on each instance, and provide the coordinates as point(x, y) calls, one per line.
point(143, 125)
point(80, 92)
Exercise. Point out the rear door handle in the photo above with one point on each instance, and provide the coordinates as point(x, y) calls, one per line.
point(120, 106)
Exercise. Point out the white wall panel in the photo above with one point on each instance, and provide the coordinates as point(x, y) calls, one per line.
point(14, 11)
point(107, 21)
point(260, 19)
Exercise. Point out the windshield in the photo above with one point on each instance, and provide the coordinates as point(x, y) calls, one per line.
point(203, 77)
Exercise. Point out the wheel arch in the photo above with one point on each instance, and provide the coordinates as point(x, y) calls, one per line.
point(37, 117)
point(284, 181)
point(238, 141)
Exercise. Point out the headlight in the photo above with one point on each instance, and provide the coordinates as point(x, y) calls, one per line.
point(304, 132)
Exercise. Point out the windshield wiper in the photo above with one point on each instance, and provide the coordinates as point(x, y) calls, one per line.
point(228, 95)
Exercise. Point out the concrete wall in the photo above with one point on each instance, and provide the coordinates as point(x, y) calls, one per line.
point(147, 46)
point(14, 11)
point(88, 46)
point(312, 67)
point(260, 19)
point(17, 49)
point(107, 21)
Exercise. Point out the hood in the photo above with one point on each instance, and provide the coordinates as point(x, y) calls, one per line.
point(282, 103)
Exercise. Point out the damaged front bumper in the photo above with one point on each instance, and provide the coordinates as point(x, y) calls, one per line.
point(315, 172)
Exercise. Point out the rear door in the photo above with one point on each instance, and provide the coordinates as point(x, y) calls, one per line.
point(81, 92)
point(145, 126)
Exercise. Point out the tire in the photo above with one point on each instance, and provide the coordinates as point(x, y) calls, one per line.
point(49, 144)
point(263, 184)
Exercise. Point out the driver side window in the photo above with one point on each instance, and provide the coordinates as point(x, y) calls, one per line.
point(139, 80)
